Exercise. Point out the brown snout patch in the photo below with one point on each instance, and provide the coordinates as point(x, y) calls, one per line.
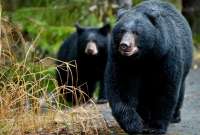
point(128, 44)
point(91, 48)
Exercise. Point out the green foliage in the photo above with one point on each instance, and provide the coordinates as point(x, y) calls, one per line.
point(49, 22)
point(177, 3)
point(135, 2)
point(53, 22)
point(28, 74)
point(196, 39)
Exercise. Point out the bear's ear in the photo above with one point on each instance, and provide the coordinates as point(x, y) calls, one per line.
point(153, 16)
point(152, 19)
point(121, 12)
point(79, 29)
point(105, 30)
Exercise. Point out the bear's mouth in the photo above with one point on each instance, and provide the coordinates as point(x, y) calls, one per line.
point(128, 51)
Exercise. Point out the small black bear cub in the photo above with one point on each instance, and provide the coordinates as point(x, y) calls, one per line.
point(87, 49)
point(149, 58)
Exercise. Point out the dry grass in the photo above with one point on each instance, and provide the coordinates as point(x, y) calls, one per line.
point(27, 105)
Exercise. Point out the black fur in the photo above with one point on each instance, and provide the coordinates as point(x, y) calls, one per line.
point(90, 69)
point(148, 88)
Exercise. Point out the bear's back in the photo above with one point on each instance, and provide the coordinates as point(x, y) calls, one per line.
point(176, 26)
point(168, 12)
point(68, 50)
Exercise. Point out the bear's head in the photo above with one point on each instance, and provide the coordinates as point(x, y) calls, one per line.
point(134, 34)
point(93, 41)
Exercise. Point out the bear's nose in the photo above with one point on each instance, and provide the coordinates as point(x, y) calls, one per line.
point(124, 45)
point(90, 51)
point(91, 48)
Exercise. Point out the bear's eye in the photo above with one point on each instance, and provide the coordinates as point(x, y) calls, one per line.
point(122, 31)
point(135, 32)
point(91, 40)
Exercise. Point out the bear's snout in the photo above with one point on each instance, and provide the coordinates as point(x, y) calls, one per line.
point(128, 45)
point(91, 48)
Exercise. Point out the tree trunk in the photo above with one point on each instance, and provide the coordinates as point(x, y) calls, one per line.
point(191, 10)
point(124, 3)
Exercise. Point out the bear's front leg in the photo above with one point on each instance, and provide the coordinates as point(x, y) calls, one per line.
point(122, 96)
point(166, 96)
point(162, 113)
point(102, 98)
point(127, 117)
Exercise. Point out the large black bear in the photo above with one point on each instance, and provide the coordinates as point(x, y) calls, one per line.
point(150, 57)
point(86, 52)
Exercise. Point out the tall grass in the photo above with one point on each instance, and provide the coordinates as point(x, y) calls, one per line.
point(29, 95)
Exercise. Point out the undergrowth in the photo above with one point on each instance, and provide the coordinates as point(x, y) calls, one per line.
point(30, 100)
